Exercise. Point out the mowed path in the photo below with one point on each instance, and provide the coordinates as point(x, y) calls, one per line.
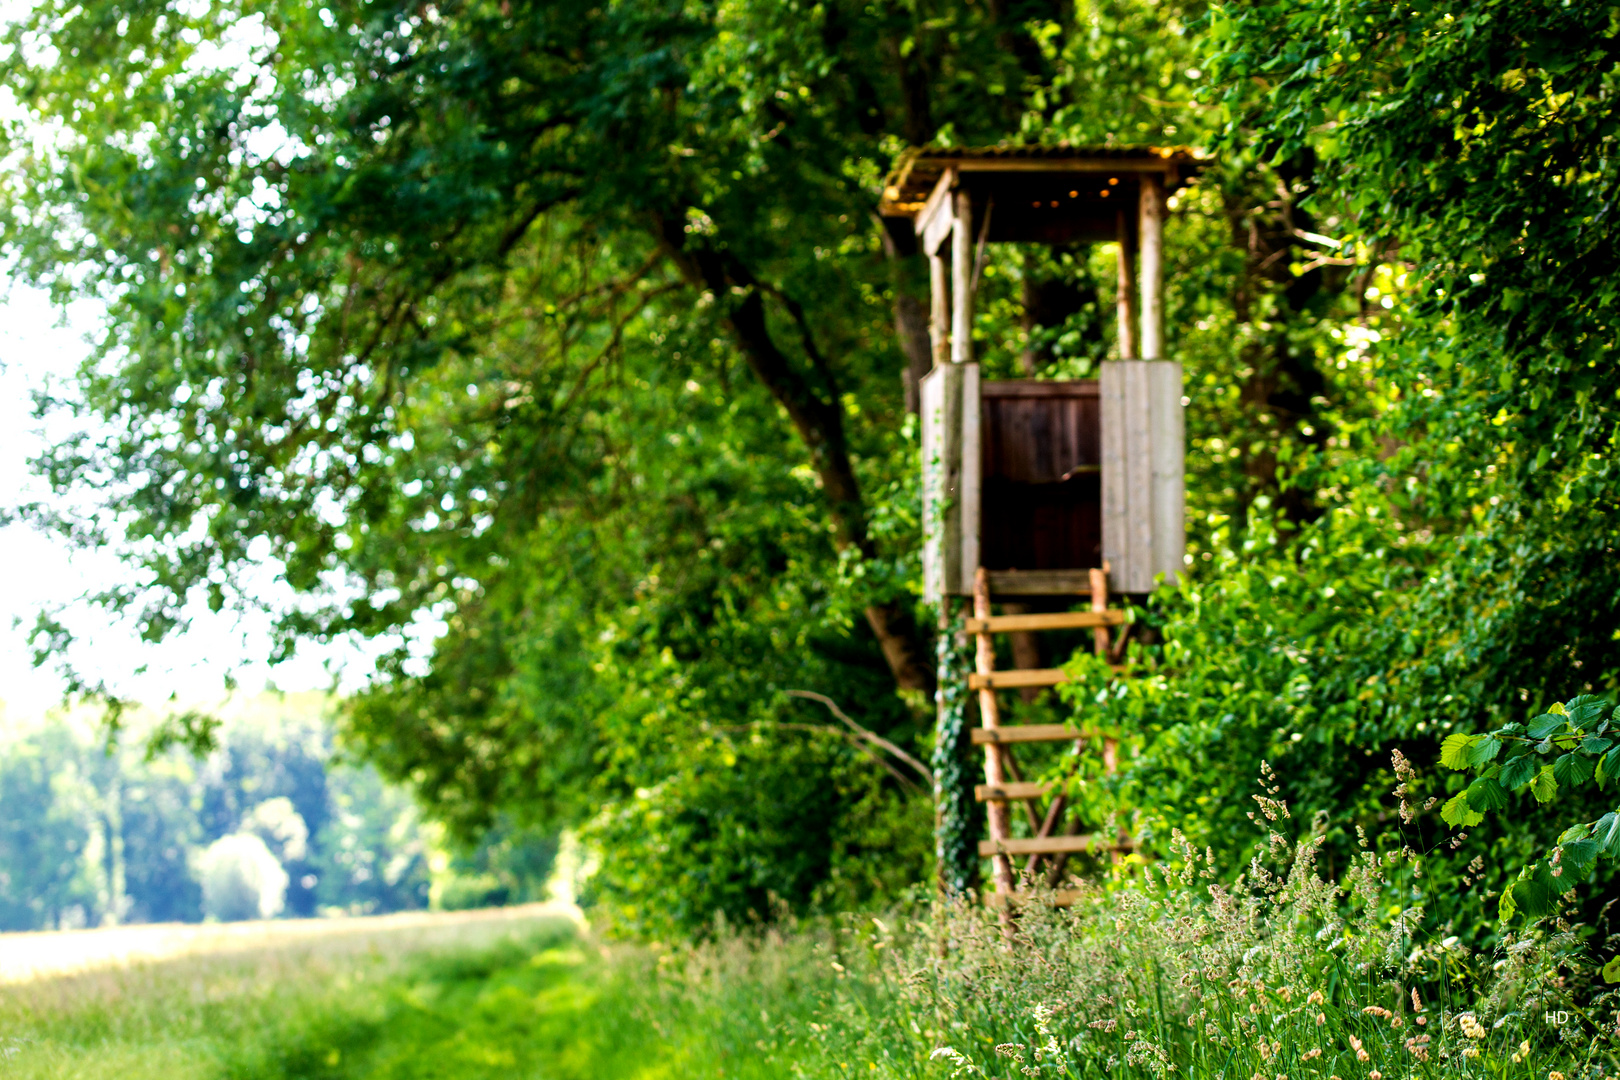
point(27, 956)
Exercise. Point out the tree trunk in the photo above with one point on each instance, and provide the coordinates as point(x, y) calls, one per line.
point(818, 418)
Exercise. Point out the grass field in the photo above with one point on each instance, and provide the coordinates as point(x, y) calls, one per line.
point(1141, 983)
point(508, 997)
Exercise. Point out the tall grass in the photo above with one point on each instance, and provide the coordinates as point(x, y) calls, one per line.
point(1163, 971)
point(1156, 972)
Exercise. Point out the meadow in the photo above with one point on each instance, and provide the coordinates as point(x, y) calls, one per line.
point(524, 997)
point(1152, 973)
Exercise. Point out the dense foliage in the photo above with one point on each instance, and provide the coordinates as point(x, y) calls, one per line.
point(569, 326)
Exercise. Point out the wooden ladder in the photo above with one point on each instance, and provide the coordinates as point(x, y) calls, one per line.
point(998, 790)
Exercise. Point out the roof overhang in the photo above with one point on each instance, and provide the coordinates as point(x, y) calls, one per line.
point(1032, 194)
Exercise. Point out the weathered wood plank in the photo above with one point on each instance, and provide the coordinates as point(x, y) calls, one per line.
point(1022, 733)
point(1064, 620)
point(1115, 503)
point(1040, 583)
point(1025, 790)
point(939, 309)
point(971, 490)
point(1169, 456)
point(938, 481)
point(1138, 576)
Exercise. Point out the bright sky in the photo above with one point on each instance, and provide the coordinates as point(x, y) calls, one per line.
point(40, 570)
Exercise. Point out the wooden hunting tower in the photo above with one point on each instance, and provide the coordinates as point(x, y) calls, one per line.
point(1043, 488)
point(1030, 475)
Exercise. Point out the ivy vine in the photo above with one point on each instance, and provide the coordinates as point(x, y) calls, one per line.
point(955, 820)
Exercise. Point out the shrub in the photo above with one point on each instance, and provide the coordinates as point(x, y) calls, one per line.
point(241, 879)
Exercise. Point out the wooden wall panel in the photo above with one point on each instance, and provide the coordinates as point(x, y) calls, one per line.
point(1142, 481)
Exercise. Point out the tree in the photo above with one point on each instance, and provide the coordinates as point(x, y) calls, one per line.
point(567, 324)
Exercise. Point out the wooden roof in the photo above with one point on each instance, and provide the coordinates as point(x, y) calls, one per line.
point(1029, 194)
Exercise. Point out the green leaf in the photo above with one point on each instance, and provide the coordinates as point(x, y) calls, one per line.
point(1595, 744)
point(1484, 750)
point(1545, 725)
point(1578, 857)
point(1585, 710)
point(1611, 971)
point(1606, 765)
point(1519, 772)
point(1572, 769)
point(1454, 751)
point(1486, 793)
point(1545, 787)
point(1533, 893)
point(1607, 832)
point(1458, 814)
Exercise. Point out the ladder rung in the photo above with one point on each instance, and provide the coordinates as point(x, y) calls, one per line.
point(1046, 845)
point(1062, 620)
point(1015, 678)
point(1040, 582)
point(1021, 790)
point(1007, 680)
point(1027, 733)
point(1057, 898)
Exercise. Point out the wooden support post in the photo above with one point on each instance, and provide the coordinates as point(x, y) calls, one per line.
point(1150, 232)
point(1126, 301)
point(939, 311)
point(990, 718)
point(1099, 603)
point(962, 279)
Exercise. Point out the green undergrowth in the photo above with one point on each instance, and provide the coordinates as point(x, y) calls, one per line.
point(1156, 973)
point(539, 1001)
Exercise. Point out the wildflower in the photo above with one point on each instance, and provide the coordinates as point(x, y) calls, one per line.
point(1375, 1075)
point(1555, 1075)
point(1471, 1026)
point(1378, 1011)
point(1315, 998)
point(1321, 1018)
point(1522, 1053)
point(1011, 1050)
point(1355, 1044)
point(963, 1067)
point(1311, 1054)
